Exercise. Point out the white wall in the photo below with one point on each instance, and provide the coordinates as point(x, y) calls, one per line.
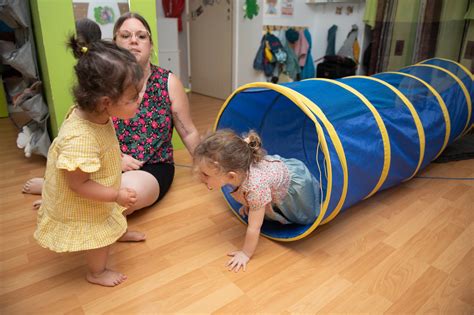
point(247, 33)
point(247, 36)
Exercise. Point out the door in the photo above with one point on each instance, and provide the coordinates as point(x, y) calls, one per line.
point(210, 40)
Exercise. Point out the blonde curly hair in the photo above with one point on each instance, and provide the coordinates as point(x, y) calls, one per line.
point(226, 150)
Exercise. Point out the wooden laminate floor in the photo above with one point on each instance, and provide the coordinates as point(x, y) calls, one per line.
point(405, 250)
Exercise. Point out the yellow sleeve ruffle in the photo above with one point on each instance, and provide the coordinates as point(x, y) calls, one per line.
point(79, 152)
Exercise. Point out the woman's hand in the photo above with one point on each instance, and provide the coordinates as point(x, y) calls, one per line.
point(129, 163)
point(239, 260)
point(126, 197)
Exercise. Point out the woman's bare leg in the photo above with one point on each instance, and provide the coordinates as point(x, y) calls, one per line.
point(98, 273)
point(33, 186)
point(145, 185)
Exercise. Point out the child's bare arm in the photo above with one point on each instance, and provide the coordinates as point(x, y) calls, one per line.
point(240, 258)
point(80, 183)
point(255, 222)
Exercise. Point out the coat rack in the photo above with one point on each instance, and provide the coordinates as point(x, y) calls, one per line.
point(272, 28)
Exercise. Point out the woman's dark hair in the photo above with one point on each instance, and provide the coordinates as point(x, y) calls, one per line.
point(103, 69)
point(131, 15)
point(88, 30)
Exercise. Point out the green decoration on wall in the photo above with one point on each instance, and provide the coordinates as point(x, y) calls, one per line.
point(251, 9)
point(104, 15)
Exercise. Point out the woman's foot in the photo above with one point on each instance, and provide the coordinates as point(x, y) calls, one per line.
point(37, 204)
point(132, 236)
point(107, 278)
point(33, 186)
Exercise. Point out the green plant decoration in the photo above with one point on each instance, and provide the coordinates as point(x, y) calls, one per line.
point(251, 9)
point(104, 15)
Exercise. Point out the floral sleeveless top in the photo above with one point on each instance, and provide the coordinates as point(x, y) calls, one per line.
point(147, 136)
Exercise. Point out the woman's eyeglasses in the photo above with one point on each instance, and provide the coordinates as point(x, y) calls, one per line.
point(141, 36)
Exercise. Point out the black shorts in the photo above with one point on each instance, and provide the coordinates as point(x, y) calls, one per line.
point(164, 174)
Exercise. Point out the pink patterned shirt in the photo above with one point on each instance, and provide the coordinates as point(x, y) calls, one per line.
point(267, 182)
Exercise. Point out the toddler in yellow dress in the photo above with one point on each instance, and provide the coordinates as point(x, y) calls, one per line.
point(82, 199)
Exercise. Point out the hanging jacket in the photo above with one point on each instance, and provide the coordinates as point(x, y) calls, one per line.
point(331, 49)
point(259, 57)
point(308, 70)
point(292, 68)
point(301, 48)
point(269, 54)
point(356, 50)
point(347, 49)
point(276, 47)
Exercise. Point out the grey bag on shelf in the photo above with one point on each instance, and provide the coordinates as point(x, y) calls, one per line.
point(35, 107)
point(32, 103)
point(15, 13)
point(20, 55)
point(22, 60)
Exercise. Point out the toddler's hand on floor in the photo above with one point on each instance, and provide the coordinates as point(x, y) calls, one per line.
point(239, 260)
point(127, 197)
point(130, 164)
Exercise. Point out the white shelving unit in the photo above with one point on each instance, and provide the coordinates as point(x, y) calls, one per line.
point(168, 49)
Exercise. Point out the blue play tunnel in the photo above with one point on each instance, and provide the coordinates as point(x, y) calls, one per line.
point(357, 135)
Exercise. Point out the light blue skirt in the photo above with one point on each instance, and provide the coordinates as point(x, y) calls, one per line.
point(303, 200)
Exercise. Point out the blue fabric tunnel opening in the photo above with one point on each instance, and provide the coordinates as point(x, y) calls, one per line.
point(285, 130)
point(357, 135)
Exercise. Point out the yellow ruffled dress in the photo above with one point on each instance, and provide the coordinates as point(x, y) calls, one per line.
point(68, 222)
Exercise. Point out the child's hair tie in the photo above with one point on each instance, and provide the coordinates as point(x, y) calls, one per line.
point(84, 50)
point(251, 143)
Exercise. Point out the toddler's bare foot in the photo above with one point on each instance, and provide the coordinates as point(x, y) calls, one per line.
point(132, 236)
point(107, 278)
point(33, 186)
point(37, 204)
